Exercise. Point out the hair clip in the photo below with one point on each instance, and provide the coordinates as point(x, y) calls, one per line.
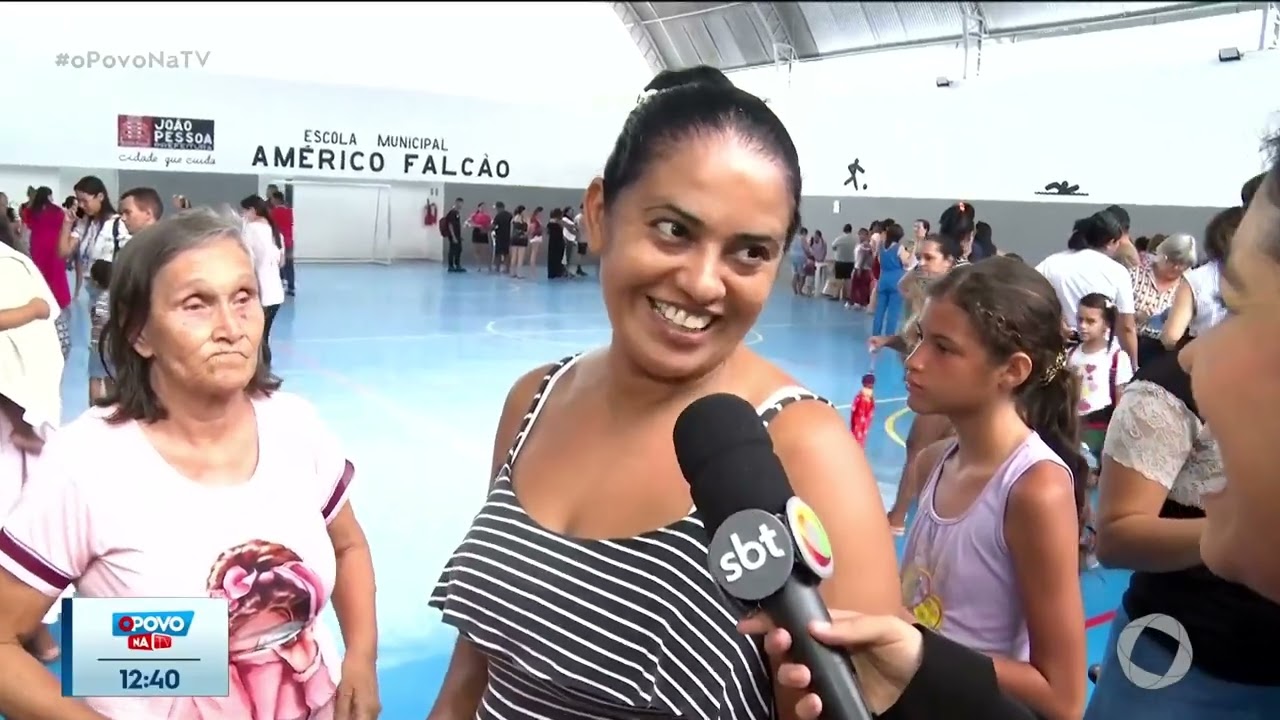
point(960, 205)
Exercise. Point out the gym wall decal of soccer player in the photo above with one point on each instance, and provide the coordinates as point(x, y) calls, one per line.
point(1062, 188)
point(855, 168)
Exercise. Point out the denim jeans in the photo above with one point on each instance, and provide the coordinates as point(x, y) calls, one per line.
point(1197, 696)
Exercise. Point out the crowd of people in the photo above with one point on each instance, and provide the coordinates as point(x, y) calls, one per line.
point(509, 241)
point(582, 588)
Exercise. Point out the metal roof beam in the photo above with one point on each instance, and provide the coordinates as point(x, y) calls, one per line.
point(1270, 38)
point(1064, 28)
point(974, 27)
point(783, 48)
point(640, 36)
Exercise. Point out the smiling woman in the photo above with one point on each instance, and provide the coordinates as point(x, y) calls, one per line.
point(582, 588)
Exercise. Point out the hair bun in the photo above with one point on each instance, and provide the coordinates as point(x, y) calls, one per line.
point(700, 75)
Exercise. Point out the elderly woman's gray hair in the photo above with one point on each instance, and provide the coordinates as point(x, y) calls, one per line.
point(1179, 249)
point(133, 276)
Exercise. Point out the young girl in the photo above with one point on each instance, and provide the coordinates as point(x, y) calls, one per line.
point(992, 558)
point(1102, 366)
point(936, 256)
point(100, 369)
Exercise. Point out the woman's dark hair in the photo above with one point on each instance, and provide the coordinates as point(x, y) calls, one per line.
point(957, 221)
point(1098, 301)
point(1121, 215)
point(100, 273)
point(1014, 256)
point(134, 273)
point(848, 228)
point(42, 200)
point(1219, 232)
point(93, 185)
point(537, 210)
point(6, 232)
point(1142, 244)
point(263, 210)
point(69, 202)
point(556, 213)
point(519, 209)
point(982, 239)
point(1096, 231)
point(687, 103)
point(876, 226)
point(925, 224)
point(1014, 309)
point(893, 234)
point(948, 247)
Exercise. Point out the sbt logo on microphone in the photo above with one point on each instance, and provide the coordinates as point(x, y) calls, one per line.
point(151, 630)
point(751, 555)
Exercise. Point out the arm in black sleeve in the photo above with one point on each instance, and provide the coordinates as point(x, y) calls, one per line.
point(955, 683)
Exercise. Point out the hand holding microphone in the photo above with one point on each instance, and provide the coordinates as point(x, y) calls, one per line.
point(886, 651)
point(767, 547)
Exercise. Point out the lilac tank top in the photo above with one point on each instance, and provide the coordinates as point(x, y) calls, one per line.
point(957, 575)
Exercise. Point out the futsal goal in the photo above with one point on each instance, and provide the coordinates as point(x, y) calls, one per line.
point(341, 222)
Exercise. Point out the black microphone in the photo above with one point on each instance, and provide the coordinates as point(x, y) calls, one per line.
point(767, 547)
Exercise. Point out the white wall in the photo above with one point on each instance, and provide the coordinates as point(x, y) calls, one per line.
point(456, 48)
point(1146, 136)
point(1143, 137)
point(268, 127)
point(14, 180)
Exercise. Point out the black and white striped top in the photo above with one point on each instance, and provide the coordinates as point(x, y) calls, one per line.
point(600, 629)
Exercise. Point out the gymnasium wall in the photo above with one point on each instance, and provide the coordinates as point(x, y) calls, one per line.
point(212, 189)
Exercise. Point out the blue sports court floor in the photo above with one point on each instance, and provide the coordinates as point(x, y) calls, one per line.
point(410, 366)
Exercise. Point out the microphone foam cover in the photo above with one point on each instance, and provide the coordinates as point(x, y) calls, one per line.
point(726, 455)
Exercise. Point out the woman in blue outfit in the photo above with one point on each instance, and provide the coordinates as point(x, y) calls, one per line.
point(893, 260)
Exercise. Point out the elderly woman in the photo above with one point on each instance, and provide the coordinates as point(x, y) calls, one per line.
point(1197, 304)
point(244, 487)
point(1154, 285)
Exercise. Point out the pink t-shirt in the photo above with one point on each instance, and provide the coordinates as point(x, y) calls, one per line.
point(104, 510)
point(13, 468)
point(481, 220)
point(46, 231)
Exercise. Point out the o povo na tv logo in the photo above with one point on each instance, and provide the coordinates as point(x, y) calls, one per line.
point(1145, 678)
point(754, 552)
point(153, 630)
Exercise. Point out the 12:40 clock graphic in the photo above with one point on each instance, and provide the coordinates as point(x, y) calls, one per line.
point(145, 647)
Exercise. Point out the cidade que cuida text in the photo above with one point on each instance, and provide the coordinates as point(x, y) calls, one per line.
point(405, 154)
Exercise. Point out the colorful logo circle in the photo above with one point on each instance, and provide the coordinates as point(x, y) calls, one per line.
point(810, 538)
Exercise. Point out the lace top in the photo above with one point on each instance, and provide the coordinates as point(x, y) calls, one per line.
point(1153, 433)
point(1148, 298)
